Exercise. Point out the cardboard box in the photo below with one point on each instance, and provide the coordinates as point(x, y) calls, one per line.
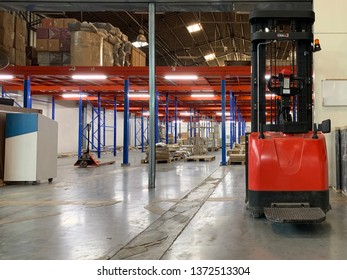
point(54, 33)
point(86, 49)
point(19, 42)
point(55, 58)
point(42, 45)
point(6, 38)
point(42, 33)
point(47, 22)
point(7, 21)
point(20, 27)
point(43, 58)
point(12, 56)
point(58, 22)
point(20, 58)
point(65, 33)
point(137, 57)
point(53, 45)
point(65, 45)
point(66, 58)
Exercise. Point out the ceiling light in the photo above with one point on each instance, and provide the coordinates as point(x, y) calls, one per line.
point(138, 44)
point(181, 77)
point(186, 114)
point(194, 27)
point(143, 95)
point(141, 40)
point(267, 77)
point(210, 56)
point(74, 95)
point(89, 77)
point(197, 95)
point(226, 113)
point(6, 77)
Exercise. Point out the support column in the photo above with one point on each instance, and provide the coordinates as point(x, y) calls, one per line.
point(142, 132)
point(167, 118)
point(157, 117)
point(104, 126)
point(239, 125)
point(93, 128)
point(27, 93)
point(2, 92)
point(135, 131)
point(151, 33)
point(231, 119)
point(115, 127)
point(99, 125)
point(126, 124)
point(190, 123)
point(176, 120)
point(80, 127)
point(224, 153)
point(53, 108)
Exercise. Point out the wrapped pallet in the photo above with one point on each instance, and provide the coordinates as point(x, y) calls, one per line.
point(86, 48)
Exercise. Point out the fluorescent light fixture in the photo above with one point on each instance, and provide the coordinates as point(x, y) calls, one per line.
point(185, 114)
point(270, 95)
point(226, 113)
point(73, 95)
point(194, 27)
point(181, 77)
point(138, 44)
point(198, 95)
point(267, 77)
point(210, 56)
point(89, 77)
point(144, 95)
point(6, 77)
point(146, 114)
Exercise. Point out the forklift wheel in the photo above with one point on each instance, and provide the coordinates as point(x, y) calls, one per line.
point(83, 163)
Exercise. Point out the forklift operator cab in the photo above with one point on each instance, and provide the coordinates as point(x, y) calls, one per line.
point(285, 148)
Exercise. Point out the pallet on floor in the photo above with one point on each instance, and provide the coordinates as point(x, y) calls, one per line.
point(167, 160)
point(237, 159)
point(200, 158)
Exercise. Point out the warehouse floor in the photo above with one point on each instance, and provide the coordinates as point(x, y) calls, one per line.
point(196, 211)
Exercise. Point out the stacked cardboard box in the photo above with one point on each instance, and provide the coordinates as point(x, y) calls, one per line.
point(53, 42)
point(13, 33)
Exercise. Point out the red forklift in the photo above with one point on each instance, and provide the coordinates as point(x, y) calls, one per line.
point(286, 157)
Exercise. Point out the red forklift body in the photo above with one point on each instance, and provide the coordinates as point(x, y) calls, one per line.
point(287, 162)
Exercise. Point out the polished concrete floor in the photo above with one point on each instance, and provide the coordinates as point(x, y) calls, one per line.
point(197, 211)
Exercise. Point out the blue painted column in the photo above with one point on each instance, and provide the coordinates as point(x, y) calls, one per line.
point(156, 117)
point(195, 124)
point(53, 108)
point(80, 127)
point(190, 123)
point(27, 93)
point(115, 127)
point(2, 92)
point(176, 120)
point(234, 119)
point(224, 153)
point(126, 124)
point(135, 131)
point(93, 129)
point(104, 126)
point(142, 132)
point(239, 124)
point(231, 118)
point(167, 118)
point(99, 125)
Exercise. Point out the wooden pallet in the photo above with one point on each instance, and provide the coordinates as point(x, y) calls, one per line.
point(143, 161)
point(237, 159)
point(200, 158)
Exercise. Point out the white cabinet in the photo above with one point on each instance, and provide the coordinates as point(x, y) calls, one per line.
point(31, 147)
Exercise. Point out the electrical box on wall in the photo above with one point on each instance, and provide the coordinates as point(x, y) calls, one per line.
point(30, 148)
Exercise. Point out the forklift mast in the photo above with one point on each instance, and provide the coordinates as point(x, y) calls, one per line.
point(284, 77)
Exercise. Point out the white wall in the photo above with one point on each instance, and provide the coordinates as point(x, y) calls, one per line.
point(330, 63)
